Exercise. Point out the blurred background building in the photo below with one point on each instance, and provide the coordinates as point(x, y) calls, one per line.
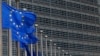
point(74, 25)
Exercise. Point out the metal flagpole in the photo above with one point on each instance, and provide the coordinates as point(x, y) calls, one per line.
point(59, 51)
point(62, 52)
point(10, 43)
point(36, 25)
point(10, 38)
point(55, 50)
point(51, 47)
point(70, 55)
point(25, 53)
point(9, 2)
point(41, 41)
point(1, 28)
point(17, 43)
point(66, 53)
point(25, 50)
point(31, 47)
point(46, 45)
point(17, 3)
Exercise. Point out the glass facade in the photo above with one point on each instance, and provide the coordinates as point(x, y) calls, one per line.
point(5, 43)
point(74, 25)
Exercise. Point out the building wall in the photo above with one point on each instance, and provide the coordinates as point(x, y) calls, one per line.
point(74, 25)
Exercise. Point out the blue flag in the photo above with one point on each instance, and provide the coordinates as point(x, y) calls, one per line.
point(21, 24)
point(7, 13)
point(5, 16)
point(18, 16)
point(14, 20)
point(23, 37)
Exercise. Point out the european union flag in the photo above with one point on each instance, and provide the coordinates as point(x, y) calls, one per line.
point(17, 20)
point(6, 15)
point(21, 24)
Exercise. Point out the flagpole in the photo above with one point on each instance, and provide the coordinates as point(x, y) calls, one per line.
point(51, 47)
point(66, 53)
point(58, 51)
point(25, 53)
point(55, 50)
point(70, 55)
point(25, 50)
point(10, 38)
point(18, 43)
point(31, 47)
point(62, 52)
point(41, 31)
point(36, 25)
point(1, 28)
point(46, 45)
point(9, 2)
point(17, 3)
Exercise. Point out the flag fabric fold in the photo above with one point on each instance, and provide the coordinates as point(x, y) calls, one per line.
point(5, 16)
point(29, 18)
